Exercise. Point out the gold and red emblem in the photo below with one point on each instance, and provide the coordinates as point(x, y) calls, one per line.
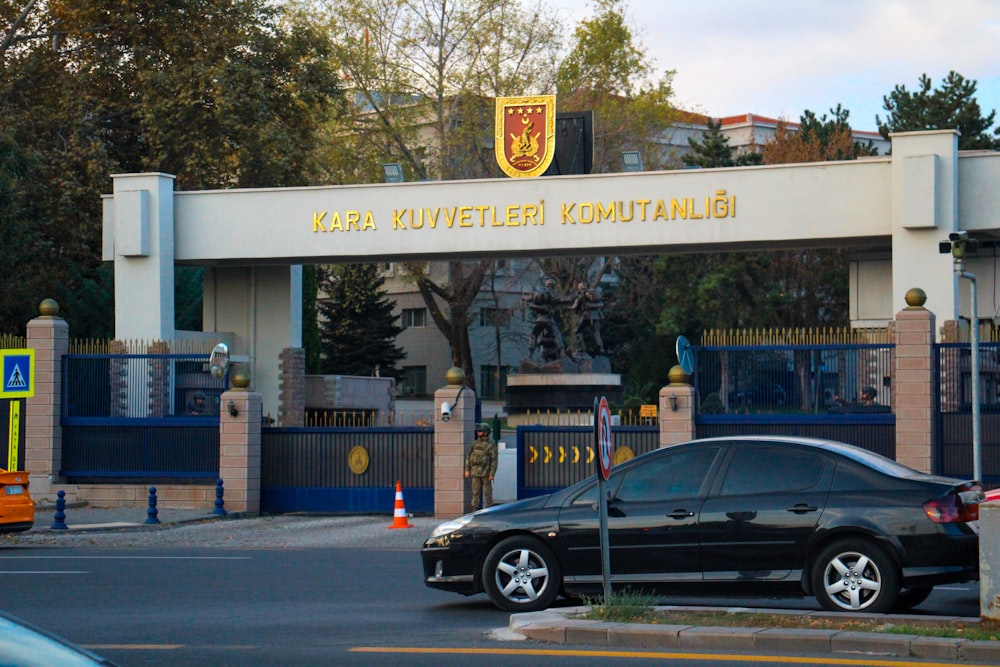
point(525, 134)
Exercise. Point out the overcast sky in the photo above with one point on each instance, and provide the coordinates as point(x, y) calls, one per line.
point(779, 57)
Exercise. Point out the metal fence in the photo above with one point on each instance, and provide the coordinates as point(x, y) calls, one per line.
point(346, 470)
point(553, 457)
point(955, 410)
point(134, 417)
point(793, 379)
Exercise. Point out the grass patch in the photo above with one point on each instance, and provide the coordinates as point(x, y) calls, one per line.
point(634, 607)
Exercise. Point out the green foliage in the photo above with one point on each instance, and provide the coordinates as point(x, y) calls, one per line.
point(632, 307)
point(188, 297)
point(24, 250)
point(953, 105)
point(627, 606)
point(220, 94)
point(90, 304)
point(608, 72)
point(424, 76)
point(714, 150)
point(358, 328)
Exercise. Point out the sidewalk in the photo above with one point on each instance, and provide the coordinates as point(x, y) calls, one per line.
point(83, 517)
point(560, 627)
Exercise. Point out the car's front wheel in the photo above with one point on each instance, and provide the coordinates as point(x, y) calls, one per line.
point(855, 575)
point(521, 574)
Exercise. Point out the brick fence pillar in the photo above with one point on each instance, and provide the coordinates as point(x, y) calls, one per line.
point(916, 416)
point(239, 442)
point(48, 335)
point(292, 387)
point(676, 409)
point(452, 439)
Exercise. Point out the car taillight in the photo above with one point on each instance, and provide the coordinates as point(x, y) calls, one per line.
point(954, 508)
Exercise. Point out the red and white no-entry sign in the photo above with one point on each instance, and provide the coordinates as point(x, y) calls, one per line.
point(605, 447)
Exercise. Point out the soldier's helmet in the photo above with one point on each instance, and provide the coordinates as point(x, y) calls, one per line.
point(483, 427)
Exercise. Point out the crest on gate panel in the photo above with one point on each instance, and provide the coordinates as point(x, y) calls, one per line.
point(525, 134)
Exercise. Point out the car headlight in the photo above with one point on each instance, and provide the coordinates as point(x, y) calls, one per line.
point(449, 527)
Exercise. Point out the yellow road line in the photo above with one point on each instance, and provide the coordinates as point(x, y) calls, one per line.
point(660, 655)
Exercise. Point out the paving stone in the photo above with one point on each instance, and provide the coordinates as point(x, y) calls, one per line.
point(871, 643)
point(718, 638)
point(794, 640)
point(985, 652)
point(646, 635)
point(589, 633)
point(939, 648)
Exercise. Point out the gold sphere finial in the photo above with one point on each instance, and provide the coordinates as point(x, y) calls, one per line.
point(915, 297)
point(240, 380)
point(48, 308)
point(455, 376)
point(677, 375)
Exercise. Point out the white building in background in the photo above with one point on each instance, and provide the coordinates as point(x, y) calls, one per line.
point(499, 324)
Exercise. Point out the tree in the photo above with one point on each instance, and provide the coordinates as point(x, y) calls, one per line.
point(220, 94)
point(424, 75)
point(433, 68)
point(24, 252)
point(714, 150)
point(815, 140)
point(953, 105)
point(357, 327)
point(608, 72)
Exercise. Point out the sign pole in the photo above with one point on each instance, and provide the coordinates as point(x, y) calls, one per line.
point(602, 432)
point(14, 435)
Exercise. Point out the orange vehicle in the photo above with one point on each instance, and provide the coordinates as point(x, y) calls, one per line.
point(17, 509)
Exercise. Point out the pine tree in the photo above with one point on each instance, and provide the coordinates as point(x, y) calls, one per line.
point(951, 106)
point(357, 326)
point(714, 150)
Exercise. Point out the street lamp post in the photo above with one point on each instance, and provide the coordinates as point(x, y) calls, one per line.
point(958, 244)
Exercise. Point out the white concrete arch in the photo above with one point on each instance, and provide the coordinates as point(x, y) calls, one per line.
point(253, 240)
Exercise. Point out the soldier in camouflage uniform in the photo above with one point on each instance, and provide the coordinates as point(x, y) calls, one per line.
point(481, 466)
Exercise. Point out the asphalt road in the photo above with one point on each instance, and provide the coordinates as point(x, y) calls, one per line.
point(291, 591)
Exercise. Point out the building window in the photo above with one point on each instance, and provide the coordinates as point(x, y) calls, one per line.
point(491, 317)
point(413, 381)
point(413, 317)
point(493, 383)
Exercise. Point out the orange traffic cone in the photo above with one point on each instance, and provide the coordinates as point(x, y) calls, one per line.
point(399, 512)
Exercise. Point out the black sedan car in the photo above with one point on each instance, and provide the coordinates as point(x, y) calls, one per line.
point(795, 515)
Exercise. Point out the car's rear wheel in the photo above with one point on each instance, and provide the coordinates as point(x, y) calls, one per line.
point(855, 575)
point(909, 598)
point(521, 574)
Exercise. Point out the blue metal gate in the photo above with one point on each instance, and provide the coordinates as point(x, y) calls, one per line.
point(347, 470)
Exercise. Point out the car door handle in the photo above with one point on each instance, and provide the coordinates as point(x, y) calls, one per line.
point(680, 514)
point(801, 508)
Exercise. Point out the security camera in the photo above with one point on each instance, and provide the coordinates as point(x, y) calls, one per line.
point(445, 411)
point(955, 237)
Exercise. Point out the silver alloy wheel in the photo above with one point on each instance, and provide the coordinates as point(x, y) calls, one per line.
point(522, 576)
point(852, 581)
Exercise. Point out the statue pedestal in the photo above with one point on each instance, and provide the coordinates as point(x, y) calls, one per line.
point(551, 399)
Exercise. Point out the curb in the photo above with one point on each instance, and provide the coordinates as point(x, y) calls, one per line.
point(113, 525)
point(559, 626)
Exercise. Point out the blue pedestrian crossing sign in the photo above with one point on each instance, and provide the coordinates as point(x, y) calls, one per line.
point(18, 377)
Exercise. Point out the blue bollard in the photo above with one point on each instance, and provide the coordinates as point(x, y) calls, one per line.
point(219, 504)
point(59, 520)
point(151, 512)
